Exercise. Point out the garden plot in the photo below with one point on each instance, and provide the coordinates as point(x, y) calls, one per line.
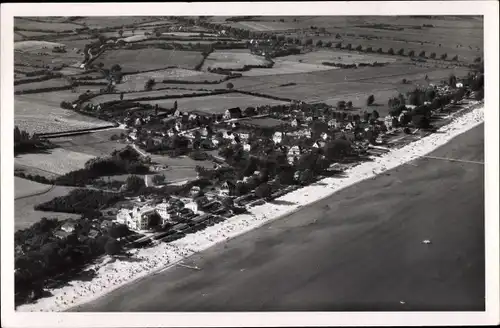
point(233, 60)
point(136, 82)
point(215, 104)
point(59, 161)
point(142, 94)
point(41, 113)
point(24, 24)
point(287, 67)
point(150, 59)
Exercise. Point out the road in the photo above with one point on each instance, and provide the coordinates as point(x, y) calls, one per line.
point(360, 249)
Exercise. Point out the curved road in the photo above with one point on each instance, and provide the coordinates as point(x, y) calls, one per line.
point(360, 249)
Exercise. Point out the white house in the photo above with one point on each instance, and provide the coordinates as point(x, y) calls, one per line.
point(69, 226)
point(332, 123)
point(277, 137)
point(349, 126)
point(459, 85)
point(193, 206)
point(192, 117)
point(295, 122)
point(324, 136)
point(247, 147)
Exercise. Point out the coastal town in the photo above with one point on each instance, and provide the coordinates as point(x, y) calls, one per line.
point(146, 148)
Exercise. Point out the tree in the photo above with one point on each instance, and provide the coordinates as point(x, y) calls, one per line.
point(370, 100)
point(455, 58)
point(401, 52)
point(148, 86)
point(319, 43)
point(229, 86)
point(349, 46)
point(158, 179)
point(452, 81)
point(120, 33)
point(306, 177)
point(338, 45)
point(444, 56)
point(263, 191)
point(379, 50)
point(359, 48)
point(349, 105)
point(112, 247)
point(411, 53)
point(432, 55)
point(422, 54)
point(341, 105)
point(390, 51)
point(118, 231)
point(328, 44)
point(250, 111)
point(477, 60)
point(135, 183)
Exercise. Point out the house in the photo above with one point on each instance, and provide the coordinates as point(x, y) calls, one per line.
point(232, 113)
point(178, 113)
point(277, 137)
point(319, 144)
point(388, 120)
point(349, 127)
point(226, 188)
point(192, 206)
point(61, 234)
point(68, 226)
point(459, 85)
point(105, 224)
point(295, 122)
point(247, 147)
point(333, 124)
point(324, 136)
point(294, 151)
point(195, 190)
point(192, 117)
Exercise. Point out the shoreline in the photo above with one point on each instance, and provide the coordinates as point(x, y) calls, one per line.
point(111, 276)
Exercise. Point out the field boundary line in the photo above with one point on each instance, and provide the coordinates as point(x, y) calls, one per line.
point(452, 159)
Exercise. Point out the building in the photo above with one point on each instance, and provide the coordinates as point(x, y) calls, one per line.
point(193, 206)
point(68, 226)
point(278, 137)
point(232, 113)
point(137, 218)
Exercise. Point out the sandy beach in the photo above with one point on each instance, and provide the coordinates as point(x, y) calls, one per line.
point(112, 274)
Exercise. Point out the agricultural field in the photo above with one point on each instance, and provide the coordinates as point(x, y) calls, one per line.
point(233, 60)
point(58, 161)
point(215, 104)
point(141, 60)
point(136, 82)
point(25, 215)
point(24, 187)
point(339, 57)
point(113, 21)
point(26, 24)
point(141, 94)
point(47, 60)
point(41, 113)
point(287, 67)
point(97, 143)
point(52, 83)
